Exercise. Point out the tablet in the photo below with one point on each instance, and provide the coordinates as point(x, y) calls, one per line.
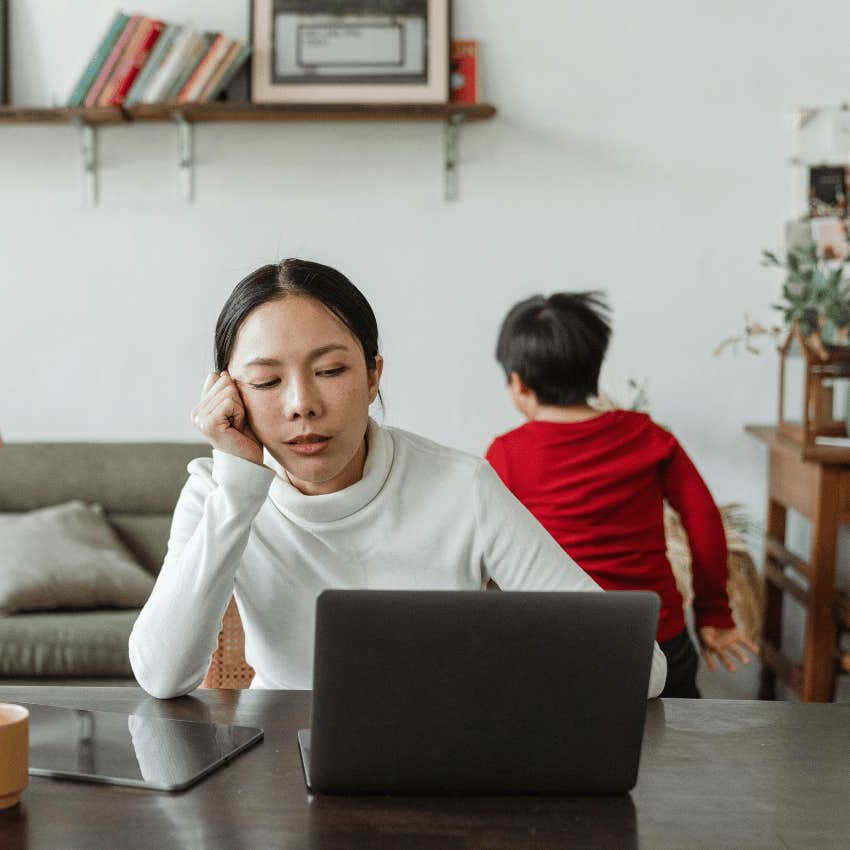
point(130, 749)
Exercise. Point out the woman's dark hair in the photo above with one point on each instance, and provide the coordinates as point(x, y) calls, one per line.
point(296, 277)
point(557, 344)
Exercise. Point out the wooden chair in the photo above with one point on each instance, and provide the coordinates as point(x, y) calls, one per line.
point(228, 667)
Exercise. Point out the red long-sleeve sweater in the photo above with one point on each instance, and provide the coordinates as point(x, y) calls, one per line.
point(598, 488)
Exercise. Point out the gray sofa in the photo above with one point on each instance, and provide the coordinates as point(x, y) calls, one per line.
point(138, 485)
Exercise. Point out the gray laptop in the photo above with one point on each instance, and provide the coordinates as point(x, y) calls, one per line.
point(474, 692)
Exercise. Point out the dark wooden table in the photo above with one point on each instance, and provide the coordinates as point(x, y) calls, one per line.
point(714, 774)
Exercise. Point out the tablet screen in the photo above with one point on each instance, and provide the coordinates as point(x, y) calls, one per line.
point(129, 749)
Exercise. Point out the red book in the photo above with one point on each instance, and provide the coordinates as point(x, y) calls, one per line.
point(463, 81)
point(105, 98)
point(111, 63)
point(130, 68)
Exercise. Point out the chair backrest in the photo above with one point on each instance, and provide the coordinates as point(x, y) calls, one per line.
point(228, 667)
point(136, 483)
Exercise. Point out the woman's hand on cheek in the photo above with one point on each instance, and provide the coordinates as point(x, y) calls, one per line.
point(221, 417)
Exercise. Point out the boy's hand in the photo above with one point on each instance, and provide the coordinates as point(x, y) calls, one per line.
point(723, 644)
point(220, 417)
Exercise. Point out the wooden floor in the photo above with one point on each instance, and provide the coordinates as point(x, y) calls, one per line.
point(742, 684)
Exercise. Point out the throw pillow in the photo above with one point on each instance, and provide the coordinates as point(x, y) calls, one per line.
point(66, 556)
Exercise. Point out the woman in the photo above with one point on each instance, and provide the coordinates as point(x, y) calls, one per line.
point(305, 492)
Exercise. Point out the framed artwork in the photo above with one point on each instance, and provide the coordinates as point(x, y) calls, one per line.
point(5, 94)
point(829, 186)
point(350, 51)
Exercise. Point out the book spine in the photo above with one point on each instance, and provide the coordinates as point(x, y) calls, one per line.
point(107, 43)
point(154, 61)
point(187, 69)
point(112, 61)
point(163, 77)
point(227, 60)
point(146, 43)
point(230, 73)
point(105, 97)
point(464, 86)
point(205, 68)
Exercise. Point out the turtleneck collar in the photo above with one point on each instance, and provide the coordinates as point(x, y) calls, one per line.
point(331, 507)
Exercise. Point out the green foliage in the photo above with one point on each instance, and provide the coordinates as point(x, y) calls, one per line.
point(815, 291)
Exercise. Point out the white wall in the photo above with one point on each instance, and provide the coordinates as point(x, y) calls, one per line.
point(638, 148)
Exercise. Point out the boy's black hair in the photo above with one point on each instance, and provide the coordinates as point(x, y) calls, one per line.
point(556, 345)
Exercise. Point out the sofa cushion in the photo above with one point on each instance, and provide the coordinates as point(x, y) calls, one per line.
point(65, 644)
point(145, 535)
point(139, 478)
point(67, 556)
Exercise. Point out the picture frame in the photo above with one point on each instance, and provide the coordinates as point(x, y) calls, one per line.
point(829, 187)
point(5, 91)
point(350, 51)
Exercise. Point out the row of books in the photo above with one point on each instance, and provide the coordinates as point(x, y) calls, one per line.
point(143, 60)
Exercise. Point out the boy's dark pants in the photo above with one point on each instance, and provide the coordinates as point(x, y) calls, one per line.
point(682, 664)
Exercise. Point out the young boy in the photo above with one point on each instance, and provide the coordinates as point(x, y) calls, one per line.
point(597, 481)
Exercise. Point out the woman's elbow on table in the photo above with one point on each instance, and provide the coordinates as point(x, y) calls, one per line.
point(658, 672)
point(161, 683)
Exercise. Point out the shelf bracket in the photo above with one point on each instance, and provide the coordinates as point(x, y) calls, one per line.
point(452, 133)
point(185, 160)
point(88, 152)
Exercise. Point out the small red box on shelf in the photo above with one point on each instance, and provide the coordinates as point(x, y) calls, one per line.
point(463, 83)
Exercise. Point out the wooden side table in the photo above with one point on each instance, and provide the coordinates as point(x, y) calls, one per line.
point(819, 490)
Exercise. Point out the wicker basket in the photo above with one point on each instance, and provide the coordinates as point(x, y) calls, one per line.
point(746, 596)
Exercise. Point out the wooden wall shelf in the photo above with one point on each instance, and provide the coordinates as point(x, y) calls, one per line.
point(233, 111)
point(88, 120)
point(205, 112)
point(96, 116)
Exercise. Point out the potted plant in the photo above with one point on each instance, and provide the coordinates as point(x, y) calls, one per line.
point(816, 296)
point(816, 300)
point(815, 309)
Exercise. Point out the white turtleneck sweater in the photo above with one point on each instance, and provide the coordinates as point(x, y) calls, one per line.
point(422, 517)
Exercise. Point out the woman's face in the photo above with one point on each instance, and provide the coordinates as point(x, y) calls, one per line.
point(303, 379)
